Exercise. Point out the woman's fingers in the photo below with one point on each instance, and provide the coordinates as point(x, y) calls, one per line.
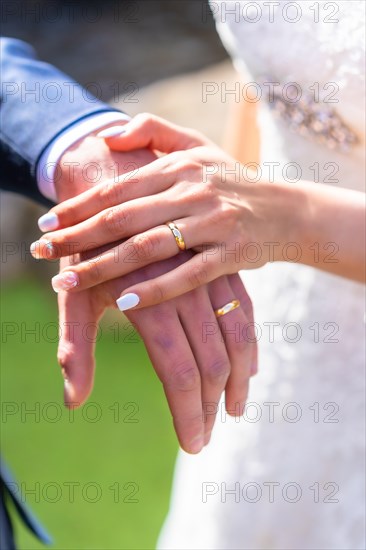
point(114, 224)
point(198, 319)
point(139, 182)
point(194, 273)
point(150, 131)
point(146, 248)
point(108, 263)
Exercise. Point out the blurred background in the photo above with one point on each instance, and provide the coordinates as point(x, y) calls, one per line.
point(98, 477)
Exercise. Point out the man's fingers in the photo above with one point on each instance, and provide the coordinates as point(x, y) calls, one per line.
point(203, 333)
point(78, 330)
point(250, 334)
point(233, 327)
point(176, 367)
point(152, 132)
point(170, 353)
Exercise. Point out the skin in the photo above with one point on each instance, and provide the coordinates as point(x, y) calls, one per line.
point(194, 370)
point(217, 211)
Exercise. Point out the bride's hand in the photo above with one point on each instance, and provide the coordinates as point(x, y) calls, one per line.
point(229, 221)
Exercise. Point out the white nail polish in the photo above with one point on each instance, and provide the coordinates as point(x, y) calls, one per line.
point(37, 249)
point(48, 222)
point(127, 301)
point(111, 132)
point(65, 281)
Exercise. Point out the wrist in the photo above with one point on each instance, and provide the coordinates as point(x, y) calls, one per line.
point(282, 207)
point(48, 163)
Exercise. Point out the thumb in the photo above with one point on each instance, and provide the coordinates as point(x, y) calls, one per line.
point(152, 132)
point(78, 329)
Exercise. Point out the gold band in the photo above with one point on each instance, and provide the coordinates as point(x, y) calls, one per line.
point(227, 308)
point(177, 235)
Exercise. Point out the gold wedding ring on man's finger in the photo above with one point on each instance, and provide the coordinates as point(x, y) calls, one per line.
point(177, 235)
point(227, 308)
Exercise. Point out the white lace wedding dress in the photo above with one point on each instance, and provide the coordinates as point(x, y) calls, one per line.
point(295, 463)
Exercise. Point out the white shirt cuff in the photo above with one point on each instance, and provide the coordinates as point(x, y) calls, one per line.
point(50, 157)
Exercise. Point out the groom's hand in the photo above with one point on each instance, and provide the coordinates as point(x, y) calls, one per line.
point(90, 161)
point(182, 337)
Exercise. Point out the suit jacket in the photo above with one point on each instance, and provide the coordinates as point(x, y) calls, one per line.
point(38, 102)
point(30, 120)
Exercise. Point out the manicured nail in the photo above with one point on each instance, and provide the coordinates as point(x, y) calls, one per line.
point(65, 281)
point(48, 222)
point(196, 445)
point(127, 301)
point(111, 132)
point(42, 249)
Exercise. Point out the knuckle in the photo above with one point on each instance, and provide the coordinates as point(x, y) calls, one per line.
point(92, 274)
point(157, 292)
point(190, 166)
point(209, 188)
point(226, 216)
point(208, 194)
point(111, 193)
point(218, 371)
point(64, 358)
point(197, 276)
point(146, 245)
point(183, 162)
point(240, 348)
point(184, 377)
point(144, 120)
point(116, 220)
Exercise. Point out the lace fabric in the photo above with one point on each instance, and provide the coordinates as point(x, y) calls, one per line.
point(310, 325)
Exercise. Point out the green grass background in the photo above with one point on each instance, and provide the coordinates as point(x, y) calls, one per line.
point(108, 452)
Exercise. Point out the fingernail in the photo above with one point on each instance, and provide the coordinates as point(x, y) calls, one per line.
point(196, 444)
point(48, 222)
point(111, 132)
point(42, 248)
point(127, 301)
point(65, 281)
